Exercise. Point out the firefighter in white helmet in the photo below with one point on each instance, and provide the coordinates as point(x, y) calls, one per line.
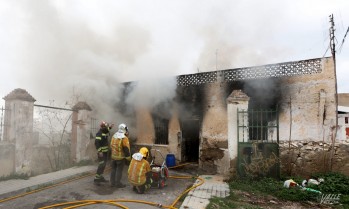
point(120, 154)
point(139, 172)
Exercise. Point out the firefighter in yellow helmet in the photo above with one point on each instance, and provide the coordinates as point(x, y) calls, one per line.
point(139, 172)
point(120, 154)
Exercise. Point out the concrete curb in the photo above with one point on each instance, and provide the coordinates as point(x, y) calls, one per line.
point(20, 186)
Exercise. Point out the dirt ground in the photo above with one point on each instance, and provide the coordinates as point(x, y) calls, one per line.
point(85, 189)
point(270, 202)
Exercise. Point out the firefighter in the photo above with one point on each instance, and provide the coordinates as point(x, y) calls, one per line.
point(139, 172)
point(101, 143)
point(120, 155)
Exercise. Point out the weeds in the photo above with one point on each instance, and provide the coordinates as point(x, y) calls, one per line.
point(335, 183)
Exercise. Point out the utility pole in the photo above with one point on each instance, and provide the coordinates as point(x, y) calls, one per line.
point(333, 52)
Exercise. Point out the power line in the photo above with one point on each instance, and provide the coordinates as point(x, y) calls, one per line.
point(326, 51)
point(346, 33)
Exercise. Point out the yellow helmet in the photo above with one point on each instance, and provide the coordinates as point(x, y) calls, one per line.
point(144, 151)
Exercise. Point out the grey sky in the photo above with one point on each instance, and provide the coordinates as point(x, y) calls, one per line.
point(51, 47)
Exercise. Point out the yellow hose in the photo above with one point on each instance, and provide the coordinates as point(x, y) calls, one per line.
point(76, 204)
point(186, 191)
point(47, 187)
point(90, 202)
point(176, 166)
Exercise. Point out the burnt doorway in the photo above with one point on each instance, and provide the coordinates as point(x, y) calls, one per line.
point(190, 139)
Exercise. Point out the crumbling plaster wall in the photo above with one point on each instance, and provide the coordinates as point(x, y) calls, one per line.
point(213, 151)
point(83, 135)
point(308, 110)
point(146, 135)
point(145, 127)
point(7, 157)
point(19, 129)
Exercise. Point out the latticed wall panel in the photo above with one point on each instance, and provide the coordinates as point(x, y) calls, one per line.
point(196, 79)
point(303, 67)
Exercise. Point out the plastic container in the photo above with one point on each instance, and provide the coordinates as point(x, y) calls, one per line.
point(170, 160)
point(156, 169)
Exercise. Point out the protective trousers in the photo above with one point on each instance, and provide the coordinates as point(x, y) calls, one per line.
point(142, 188)
point(102, 162)
point(117, 167)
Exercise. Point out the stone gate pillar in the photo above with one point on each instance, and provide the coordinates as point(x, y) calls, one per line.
point(81, 128)
point(18, 129)
point(237, 100)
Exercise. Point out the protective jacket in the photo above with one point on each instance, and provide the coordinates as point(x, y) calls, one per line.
point(101, 141)
point(138, 169)
point(120, 147)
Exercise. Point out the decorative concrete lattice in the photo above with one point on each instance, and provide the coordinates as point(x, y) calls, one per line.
point(303, 67)
point(196, 79)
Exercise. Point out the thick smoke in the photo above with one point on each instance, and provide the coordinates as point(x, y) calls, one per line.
point(59, 55)
point(264, 93)
point(89, 47)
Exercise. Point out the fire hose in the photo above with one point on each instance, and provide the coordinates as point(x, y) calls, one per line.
point(116, 202)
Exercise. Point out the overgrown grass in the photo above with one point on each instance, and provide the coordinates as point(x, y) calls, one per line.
point(230, 202)
point(335, 183)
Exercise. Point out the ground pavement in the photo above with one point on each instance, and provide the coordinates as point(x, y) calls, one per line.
point(197, 198)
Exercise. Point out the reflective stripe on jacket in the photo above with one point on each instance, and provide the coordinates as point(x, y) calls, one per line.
point(117, 147)
point(137, 172)
point(101, 142)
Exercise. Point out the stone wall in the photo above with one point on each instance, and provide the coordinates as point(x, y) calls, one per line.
point(304, 158)
point(7, 159)
point(42, 160)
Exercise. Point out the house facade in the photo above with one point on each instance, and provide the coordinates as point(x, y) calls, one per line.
point(200, 125)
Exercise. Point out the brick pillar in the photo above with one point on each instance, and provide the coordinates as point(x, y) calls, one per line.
point(81, 128)
point(18, 130)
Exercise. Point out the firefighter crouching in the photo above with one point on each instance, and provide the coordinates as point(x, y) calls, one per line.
point(120, 154)
point(102, 146)
point(139, 172)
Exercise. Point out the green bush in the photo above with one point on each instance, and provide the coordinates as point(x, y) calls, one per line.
point(334, 183)
point(273, 187)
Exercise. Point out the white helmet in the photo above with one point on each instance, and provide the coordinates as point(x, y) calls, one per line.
point(123, 128)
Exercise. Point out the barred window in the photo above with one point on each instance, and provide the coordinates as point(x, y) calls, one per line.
point(161, 130)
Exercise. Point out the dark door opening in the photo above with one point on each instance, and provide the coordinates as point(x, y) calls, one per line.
point(190, 140)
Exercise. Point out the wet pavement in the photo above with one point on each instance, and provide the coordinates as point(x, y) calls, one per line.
point(81, 187)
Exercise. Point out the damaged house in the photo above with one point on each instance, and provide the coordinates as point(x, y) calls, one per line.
point(214, 113)
point(253, 121)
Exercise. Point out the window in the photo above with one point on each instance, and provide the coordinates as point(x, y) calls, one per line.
point(161, 130)
point(346, 120)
